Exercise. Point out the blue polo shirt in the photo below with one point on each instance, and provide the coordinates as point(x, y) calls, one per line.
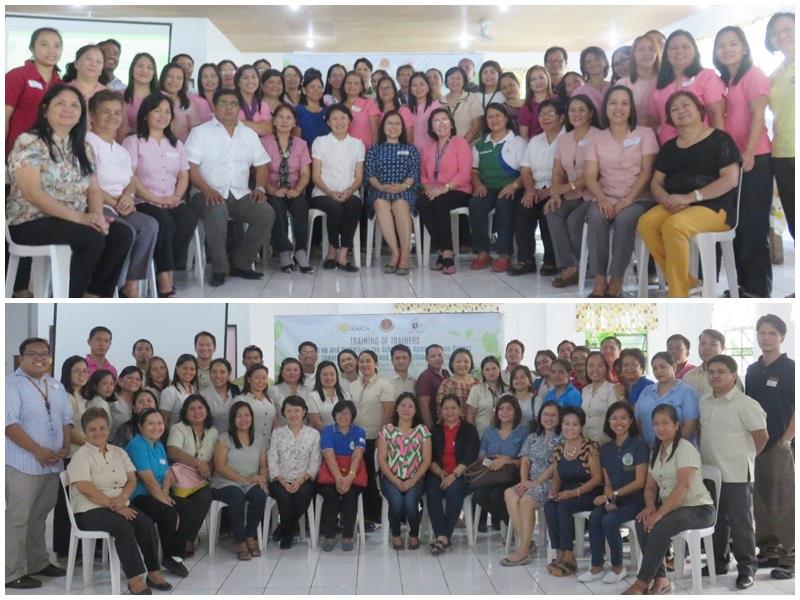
point(682, 396)
point(636, 389)
point(493, 445)
point(570, 397)
point(147, 456)
point(343, 444)
point(620, 464)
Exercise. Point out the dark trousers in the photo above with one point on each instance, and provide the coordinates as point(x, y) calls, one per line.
point(403, 504)
point(298, 209)
point(656, 543)
point(604, 527)
point(444, 518)
point(525, 220)
point(342, 219)
point(735, 525)
point(783, 169)
point(96, 259)
point(179, 524)
point(750, 246)
point(491, 499)
point(435, 215)
point(773, 502)
point(502, 223)
point(335, 504)
point(372, 497)
point(560, 524)
point(175, 230)
point(129, 537)
point(291, 507)
point(245, 510)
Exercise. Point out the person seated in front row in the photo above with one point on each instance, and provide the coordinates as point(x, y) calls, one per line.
point(221, 153)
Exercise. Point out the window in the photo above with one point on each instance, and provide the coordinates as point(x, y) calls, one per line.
point(736, 321)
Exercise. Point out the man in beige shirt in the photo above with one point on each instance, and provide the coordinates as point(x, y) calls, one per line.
point(401, 361)
point(712, 343)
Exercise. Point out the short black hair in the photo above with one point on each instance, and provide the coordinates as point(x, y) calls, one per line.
point(562, 342)
point(400, 348)
point(513, 375)
point(307, 343)
point(507, 399)
point(175, 58)
point(440, 111)
point(252, 348)
point(633, 430)
point(770, 24)
point(683, 339)
point(363, 59)
point(726, 360)
point(431, 347)
point(403, 137)
point(344, 405)
point(99, 329)
point(30, 341)
point(294, 401)
point(417, 419)
point(665, 356)
point(637, 354)
point(111, 41)
point(209, 421)
point(206, 333)
point(595, 119)
point(139, 341)
point(518, 343)
point(342, 108)
point(714, 335)
point(574, 410)
point(369, 353)
point(349, 351)
point(89, 390)
point(552, 49)
point(221, 91)
point(458, 351)
point(401, 68)
point(614, 339)
point(220, 361)
point(291, 360)
point(66, 372)
point(773, 320)
point(599, 53)
point(92, 414)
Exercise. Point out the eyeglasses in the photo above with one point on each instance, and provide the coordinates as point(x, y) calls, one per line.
point(35, 355)
point(441, 122)
point(222, 104)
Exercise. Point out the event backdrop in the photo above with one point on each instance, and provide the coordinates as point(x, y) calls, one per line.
point(480, 332)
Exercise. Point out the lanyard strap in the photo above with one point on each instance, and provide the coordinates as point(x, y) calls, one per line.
point(438, 158)
point(196, 447)
point(44, 394)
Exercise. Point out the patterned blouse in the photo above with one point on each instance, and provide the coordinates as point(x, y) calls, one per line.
point(62, 179)
point(404, 452)
point(450, 386)
point(393, 163)
point(587, 449)
point(289, 456)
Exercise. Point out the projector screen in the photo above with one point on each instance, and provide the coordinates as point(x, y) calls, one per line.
point(170, 327)
point(135, 36)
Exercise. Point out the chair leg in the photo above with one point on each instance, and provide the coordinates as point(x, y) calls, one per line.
point(468, 520)
point(265, 523)
point(679, 550)
point(384, 520)
point(11, 274)
point(88, 563)
point(584, 259)
point(418, 239)
point(40, 277)
point(708, 260)
point(642, 258)
point(426, 248)
point(580, 530)
point(474, 523)
point(362, 529)
point(509, 536)
point(694, 559)
point(729, 263)
point(318, 512)
point(454, 235)
point(357, 246)
point(708, 544)
point(114, 567)
point(312, 521)
point(213, 518)
point(73, 551)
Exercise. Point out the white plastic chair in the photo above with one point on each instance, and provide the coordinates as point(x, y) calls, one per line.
point(468, 519)
point(542, 531)
point(213, 527)
point(454, 222)
point(360, 523)
point(49, 268)
point(313, 215)
point(693, 537)
point(88, 539)
point(310, 516)
point(583, 263)
point(581, 518)
point(374, 232)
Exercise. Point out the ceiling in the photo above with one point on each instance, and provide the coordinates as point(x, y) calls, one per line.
point(404, 28)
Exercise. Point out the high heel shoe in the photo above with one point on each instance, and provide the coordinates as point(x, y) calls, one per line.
point(308, 269)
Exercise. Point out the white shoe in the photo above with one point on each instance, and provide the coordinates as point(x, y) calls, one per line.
point(589, 576)
point(611, 577)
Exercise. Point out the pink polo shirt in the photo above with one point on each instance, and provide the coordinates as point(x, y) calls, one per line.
point(738, 117)
point(200, 111)
point(642, 91)
point(572, 156)
point(180, 123)
point(363, 110)
point(455, 165)
point(131, 113)
point(421, 138)
point(114, 170)
point(262, 115)
point(706, 85)
point(620, 163)
point(93, 366)
point(156, 163)
point(298, 158)
point(595, 95)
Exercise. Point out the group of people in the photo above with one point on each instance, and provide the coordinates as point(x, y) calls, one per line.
point(584, 430)
point(124, 172)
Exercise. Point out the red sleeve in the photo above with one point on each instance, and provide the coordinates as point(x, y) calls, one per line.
point(15, 86)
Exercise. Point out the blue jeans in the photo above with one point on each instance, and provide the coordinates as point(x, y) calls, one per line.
point(244, 525)
point(503, 224)
point(444, 518)
point(604, 526)
point(403, 503)
point(560, 524)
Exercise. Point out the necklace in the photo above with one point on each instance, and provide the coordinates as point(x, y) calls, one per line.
point(571, 452)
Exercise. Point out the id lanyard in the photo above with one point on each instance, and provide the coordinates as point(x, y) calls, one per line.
point(438, 158)
point(44, 394)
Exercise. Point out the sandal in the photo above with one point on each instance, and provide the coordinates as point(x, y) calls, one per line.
point(413, 545)
point(559, 281)
point(242, 553)
point(438, 547)
point(253, 549)
point(398, 545)
point(437, 266)
point(448, 266)
point(564, 569)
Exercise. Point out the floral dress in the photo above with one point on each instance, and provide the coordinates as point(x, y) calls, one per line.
point(539, 450)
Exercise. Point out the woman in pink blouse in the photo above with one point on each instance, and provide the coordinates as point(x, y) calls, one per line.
point(172, 82)
point(421, 104)
point(746, 98)
point(85, 71)
point(161, 175)
point(388, 100)
point(446, 175)
point(142, 81)
point(538, 90)
point(681, 71)
point(366, 115)
point(271, 88)
point(255, 113)
point(594, 68)
point(645, 63)
point(201, 107)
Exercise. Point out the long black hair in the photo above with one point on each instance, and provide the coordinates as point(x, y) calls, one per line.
point(250, 370)
point(184, 358)
point(670, 411)
point(149, 104)
point(502, 109)
point(417, 419)
point(307, 79)
point(258, 95)
point(77, 135)
point(200, 91)
point(328, 87)
point(631, 117)
point(284, 97)
point(128, 94)
point(501, 385)
point(318, 381)
point(395, 98)
point(747, 59)
point(594, 121)
point(232, 423)
point(412, 100)
point(286, 361)
point(89, 391)
point(666, 75)
point(66, 372)
point(35, 36)
point(182, 93)
point(382, 134)
point(71, 72)
point(536, 425)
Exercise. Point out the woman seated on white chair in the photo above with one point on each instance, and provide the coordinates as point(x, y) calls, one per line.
point(102, 478)
point(343, 476)
point(619, 165)
point(536, 470)
point(694, 183)
point(676, 478)
point(337, 170)
point(240, 479)
point(294, 459)
point(55, 197)
point(118, 186)
point(392, 169)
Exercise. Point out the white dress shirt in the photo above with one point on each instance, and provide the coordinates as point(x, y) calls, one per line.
point(539, 157)
point(339, 159)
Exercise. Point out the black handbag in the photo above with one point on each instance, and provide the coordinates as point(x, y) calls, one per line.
point(479, 475)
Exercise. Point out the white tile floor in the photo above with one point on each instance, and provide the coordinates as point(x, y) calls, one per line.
point(377, 569)
point(371, 282)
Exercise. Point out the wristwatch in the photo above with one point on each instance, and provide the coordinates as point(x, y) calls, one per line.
point(786, 443)
point(698, 196)
point(572, 186)
point(447, 187)
point(261, 189)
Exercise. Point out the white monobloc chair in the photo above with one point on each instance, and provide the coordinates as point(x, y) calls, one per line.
point(49, 268)
point(540, 522)
point(88, 538)
point(374, 232)
point(310, 516)
point(582, 518)
point(360, 523)
point(454, 218)
point(583, 263)
point(313, 215)
point(214, 512)
point(468, 518)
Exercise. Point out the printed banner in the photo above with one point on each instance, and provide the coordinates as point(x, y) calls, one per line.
point(481, 333)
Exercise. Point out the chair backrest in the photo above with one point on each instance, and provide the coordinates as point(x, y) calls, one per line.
point(8, 236)
point(713, 474)
point(65, 485)
point(738, 196)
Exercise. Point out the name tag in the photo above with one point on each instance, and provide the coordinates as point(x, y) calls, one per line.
point(355, 108)
point(583, 142)
point(631, 142)
point(688, 82)
point(35, 84)
point(403, 153)
point(772, 382)
point(486, 151)
point(172, 155)
point(162, 461)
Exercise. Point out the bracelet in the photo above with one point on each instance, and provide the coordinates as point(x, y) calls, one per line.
point(352, 473)
point(578, 489)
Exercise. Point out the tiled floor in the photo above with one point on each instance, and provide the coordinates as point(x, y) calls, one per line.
point(377, 569)
point(371, 282)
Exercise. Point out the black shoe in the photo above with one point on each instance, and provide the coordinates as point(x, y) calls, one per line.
point(26, 582)
point(174, 567)
point(163, 587)
point(145, 592)
point(217, 279)
point(347, 267)
point(277, 535)
point(720, 570)
point(246, 273)
point(482, 528)
point(548, 270)
point(328, 264)
point(307, 269)
point(286, 542)
point(782, 573)
point(522, 269)
point(51, 571)
point(744, 581)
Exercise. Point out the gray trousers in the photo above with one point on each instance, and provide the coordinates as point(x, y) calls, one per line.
point(145, 233)
point(735, 525)
point(624, 238)
point(258, 217)
point(28, 500)
point(774, 502)
point(566, 231)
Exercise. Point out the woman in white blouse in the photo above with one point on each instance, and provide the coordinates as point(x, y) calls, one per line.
point(256, 381)
point(483, 397)
point(290, 383)
point(327, 392)
point(293, 458)
point(220, 394)
point(184, 383)
point(597, 396)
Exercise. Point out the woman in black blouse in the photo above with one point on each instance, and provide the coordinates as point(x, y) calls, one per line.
point(694, 183)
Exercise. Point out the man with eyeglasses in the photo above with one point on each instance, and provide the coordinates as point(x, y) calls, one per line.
point(307, 355)
point(38, 428)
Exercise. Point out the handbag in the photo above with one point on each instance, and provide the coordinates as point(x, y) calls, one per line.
point(186, 480)
point(325, 476)
point(479, 475)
